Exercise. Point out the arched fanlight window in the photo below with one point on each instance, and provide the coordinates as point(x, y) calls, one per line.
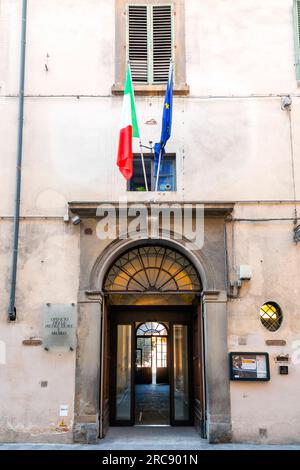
point(152, 268)
point(152, 329)
point(271, 316)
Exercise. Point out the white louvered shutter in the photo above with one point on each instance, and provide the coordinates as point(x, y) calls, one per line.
point(162, 42)
point(149, 42)
point(138, 42)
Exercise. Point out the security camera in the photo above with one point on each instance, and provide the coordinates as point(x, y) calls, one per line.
point(76, 220)
point(286, 102)
point(297, 234)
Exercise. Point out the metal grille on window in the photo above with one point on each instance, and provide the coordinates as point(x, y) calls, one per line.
point(152, 329)
point(271, 316)
point(152, 269)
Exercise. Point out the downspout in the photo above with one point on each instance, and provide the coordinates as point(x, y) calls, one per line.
point(12, 309)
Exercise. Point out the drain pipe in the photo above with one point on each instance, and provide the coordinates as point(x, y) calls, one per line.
point(12, 309)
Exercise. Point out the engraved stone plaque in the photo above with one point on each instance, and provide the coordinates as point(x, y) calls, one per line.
point(59, 327)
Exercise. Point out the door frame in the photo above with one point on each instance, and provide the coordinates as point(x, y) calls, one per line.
point(190, 421)
point(127, 315)
point(113, 420)
point(105, 379)
point(153, 336)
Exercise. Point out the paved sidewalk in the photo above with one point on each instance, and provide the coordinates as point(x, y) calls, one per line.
point(149, 438)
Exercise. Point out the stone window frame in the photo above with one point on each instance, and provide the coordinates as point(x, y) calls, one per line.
point(180, 85)
point(267, 322)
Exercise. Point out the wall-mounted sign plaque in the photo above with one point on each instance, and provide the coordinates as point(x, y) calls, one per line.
point(249, 366)
point(59, 327)
point(276, 342)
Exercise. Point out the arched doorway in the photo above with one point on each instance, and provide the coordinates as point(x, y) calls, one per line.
point(154, 378)
point(97, 308)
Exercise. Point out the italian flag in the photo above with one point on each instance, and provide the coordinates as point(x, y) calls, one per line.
point(128, 130)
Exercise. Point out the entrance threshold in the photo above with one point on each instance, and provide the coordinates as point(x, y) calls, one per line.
point(152, 438)
point(152, 425)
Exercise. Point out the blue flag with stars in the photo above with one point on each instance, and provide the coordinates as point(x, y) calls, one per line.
point(166, 122)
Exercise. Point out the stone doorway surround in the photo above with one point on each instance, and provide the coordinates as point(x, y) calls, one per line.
point(95, 258)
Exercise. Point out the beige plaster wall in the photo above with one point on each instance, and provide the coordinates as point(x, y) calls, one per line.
point(274, 258)
point(48, 272)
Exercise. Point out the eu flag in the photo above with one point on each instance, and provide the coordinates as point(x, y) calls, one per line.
point(166, 122)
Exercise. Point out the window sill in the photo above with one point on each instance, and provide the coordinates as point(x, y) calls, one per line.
point(150, 90)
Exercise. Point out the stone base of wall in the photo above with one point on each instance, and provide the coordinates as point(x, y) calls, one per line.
point(86, 433)
point(218, 433)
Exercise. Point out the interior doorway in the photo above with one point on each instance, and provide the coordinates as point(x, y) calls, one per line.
point(152, 388)
point(152, 366)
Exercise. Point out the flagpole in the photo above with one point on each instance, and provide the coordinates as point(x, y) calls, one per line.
point(143, 164)
point(161, 150)
point(158, 170)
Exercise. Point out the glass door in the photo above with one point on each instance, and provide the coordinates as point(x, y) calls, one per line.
point(151, 372)
point(123, 396)
point(181, 376)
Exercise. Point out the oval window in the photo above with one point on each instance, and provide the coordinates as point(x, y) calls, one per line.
point(271, 316)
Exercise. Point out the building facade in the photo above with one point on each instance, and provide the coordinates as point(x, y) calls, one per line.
point(234, 151)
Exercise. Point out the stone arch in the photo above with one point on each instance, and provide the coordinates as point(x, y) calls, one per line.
point(115, 249)
point(213, 305)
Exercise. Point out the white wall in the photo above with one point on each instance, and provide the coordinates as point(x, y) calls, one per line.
point(237, 47)
point(229, 144)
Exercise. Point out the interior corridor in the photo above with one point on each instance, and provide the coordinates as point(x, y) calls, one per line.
point(152, 404)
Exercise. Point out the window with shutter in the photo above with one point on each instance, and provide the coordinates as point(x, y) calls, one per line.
point(148, 34)
point(149, 42)
point(296, 14)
